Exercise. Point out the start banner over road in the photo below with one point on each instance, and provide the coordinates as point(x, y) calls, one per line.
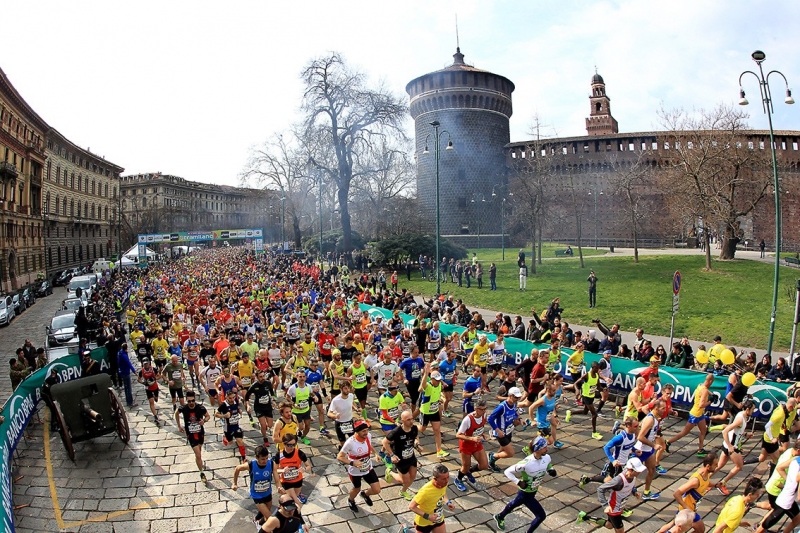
point(768, 394)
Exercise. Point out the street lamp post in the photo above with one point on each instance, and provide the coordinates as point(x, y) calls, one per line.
point(321, 263)
point(596, 194)
point(478, 218)
point(80, 242)
point(283, 223)
point(502, 221)
point(766, 104)
point(437, 135)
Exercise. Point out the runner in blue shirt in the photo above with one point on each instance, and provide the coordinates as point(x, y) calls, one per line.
point(503, 419)
point(472, 390)
point(260, 472)
point(448, 368)
point(413, 367)
point(316, 380)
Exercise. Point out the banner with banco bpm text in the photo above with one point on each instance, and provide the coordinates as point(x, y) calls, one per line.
point(19, 409)
point(768, 394)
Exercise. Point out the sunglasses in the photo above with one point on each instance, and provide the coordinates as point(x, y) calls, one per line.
point(290, 445)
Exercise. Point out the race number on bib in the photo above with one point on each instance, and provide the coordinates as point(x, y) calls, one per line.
point(408, 453)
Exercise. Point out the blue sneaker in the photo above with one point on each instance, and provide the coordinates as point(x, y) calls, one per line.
point(616, 427)
point(661, 470)
point(470, 478)
point(558, 444)
point(650, 495)
point(460, 485)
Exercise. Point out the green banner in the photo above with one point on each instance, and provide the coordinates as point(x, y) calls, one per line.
point(768, 394)
point(19, 409)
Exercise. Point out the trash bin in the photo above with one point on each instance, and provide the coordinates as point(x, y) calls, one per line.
point(611, 249)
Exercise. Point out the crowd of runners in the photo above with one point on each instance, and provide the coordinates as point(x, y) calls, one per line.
point(283, 346)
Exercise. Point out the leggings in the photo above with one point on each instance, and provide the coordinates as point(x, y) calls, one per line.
point(528, 499)
point(413, 390)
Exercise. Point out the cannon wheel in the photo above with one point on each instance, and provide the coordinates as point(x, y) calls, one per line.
point(119, 416)
point(62, 428)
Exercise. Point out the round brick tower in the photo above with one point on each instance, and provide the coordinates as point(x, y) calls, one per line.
point(474, 106)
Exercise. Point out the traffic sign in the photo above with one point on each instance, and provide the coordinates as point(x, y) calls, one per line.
point(676, 282)
point(675, 303)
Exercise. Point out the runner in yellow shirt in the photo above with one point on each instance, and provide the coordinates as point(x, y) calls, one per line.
point(428, 504)
point(480, 358)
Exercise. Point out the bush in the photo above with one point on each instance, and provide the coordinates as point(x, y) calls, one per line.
point(395, 249)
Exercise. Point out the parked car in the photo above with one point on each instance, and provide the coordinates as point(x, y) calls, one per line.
point(73, 304)
point(28, 295)
point(45, 288)
point(7, 310)
point(61, 329)
point(19, 303)
point(62, 280)
point(85, 283)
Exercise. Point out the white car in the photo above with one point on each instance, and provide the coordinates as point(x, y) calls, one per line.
point(7, 310)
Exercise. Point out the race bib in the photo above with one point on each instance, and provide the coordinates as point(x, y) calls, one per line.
point(246, 381)
point(393, 412)
point(194, 427)
point(478, 432)
point(347, 363)
point(302, 405)
point(234, 419)
point(291, 472)
point(262, 486)
point(416, 373)
point(176, 375)
point(449, 376)
point(408, 453)
point(326, 346)
point(315, 387)
point(366, 465)
point(483, 357)
point(346, 427)
point(263, 400)
point(434, 406)
point(361, 378)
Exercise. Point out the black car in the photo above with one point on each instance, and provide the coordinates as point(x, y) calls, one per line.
point(45, 288)
point(62, 279)
point(19, 303)
point(28, 295)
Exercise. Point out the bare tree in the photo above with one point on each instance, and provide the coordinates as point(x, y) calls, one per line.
point(631, 180)
point(344, 121)
point(280, 165)
point(577, 208)
point(717, 169)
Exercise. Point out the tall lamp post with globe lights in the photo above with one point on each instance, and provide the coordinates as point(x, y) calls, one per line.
point(766, 104)
point(437, 135)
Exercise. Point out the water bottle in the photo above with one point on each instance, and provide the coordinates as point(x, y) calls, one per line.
point(569, 415)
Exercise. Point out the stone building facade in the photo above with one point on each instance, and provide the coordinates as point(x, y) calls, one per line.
point(156, 202)
point(81, 205)
point(473, 107)
point(22, 159)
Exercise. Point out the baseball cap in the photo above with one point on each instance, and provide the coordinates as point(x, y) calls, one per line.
point(539, 443)
point(655, 359)
point(436, 375)
point(608, 352)
point(634, 463)
point(514, 391)
point(360, 425)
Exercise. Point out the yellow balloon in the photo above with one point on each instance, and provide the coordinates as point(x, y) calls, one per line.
point(749, 379)
point(727, 357)
point(701, 357)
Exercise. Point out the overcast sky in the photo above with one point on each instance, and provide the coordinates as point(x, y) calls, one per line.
point(186, 88)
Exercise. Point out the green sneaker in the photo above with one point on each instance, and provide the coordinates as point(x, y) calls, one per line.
point(442, 453)
point(627, 512)
point(581, 516)
point(388, 477)
point(501, 523)
point(526, 450)
point(305, 441)
point(584, 480)
point(600, 522)
point(407, 495)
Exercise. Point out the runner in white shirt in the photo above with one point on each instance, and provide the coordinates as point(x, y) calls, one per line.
point(357, 453)
point(341, 411)
point(384, 371)
point(208, 379)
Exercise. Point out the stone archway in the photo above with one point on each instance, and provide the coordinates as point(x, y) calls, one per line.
point(12, 270)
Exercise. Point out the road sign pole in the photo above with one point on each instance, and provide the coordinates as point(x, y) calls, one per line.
point(676, 289)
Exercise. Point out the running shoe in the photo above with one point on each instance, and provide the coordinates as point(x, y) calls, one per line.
point(702, 452)
point(366, 497)
point(601, 415)
point(568, 417)
point(597, 436)
point(470, 477)
point(324, 432)
point(581, 516)
point(157, 421)
point(305, 441)
point(302, 497)
point(526, 450)
point(266, 442)
point(667, 445)
point(501, 523)
point(617, 425)
point(442, 453)
point(352, 505)
point(723, 489)
point(626, 513)
point(460, 485)
point(600, 521)
point(492, 465)
point(448, 414)
point(252, 422)
point(526, 424)
point(203, 478)
point(405, 494)
point(558, 444)
point(579, 402)
point(650, 495)
point(224, 441)
point(584, 480)
point(617, 411)
point(716, 428)
point(661, 470)
point(388, 477)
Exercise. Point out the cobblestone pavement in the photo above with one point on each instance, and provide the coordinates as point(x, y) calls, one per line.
point(151, 484)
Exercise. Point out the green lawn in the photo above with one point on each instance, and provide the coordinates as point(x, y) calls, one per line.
point(733, 300)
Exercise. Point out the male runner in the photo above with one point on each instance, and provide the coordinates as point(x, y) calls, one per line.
point(356, 454)
point(194, 418)
point(230, 412)
point(399, 446)
point(471, 437)
point(263, 396)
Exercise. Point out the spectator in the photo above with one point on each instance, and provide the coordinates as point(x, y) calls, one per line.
point(781, 371)
point(592, 279)
point(687, 349)
point(610, 343)
point(30, 354)
point(554, 311)
point(765, 365)
point(625, 352)
point(592, 344)
point(125, 368)
point(750, 363)
point(519, 329)
point(89, 367)
point(646, 352)
point(17, 372)
point(41, 358)
point(662, 354)
point(639, 343)
point(493, 276)
point(677, 357)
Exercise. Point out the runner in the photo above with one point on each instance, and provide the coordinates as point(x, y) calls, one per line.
point(618, 450)
point(149, 378)
point(290, 464)
point(528, 474)
point(194, 418)
point(733, 437)
point(385, 371)
point(730, 518)
point(361, 377)
point(230, 412)
point(472, 390)
point(300, 396)
point(480, 358)
point(503, 419)
point(286, 519)
point(341, 412)
point(776, 431)
point(263, 397)
point(399, 446)
point(646, 446)
point(429, 503)
point(786, 501)
point(777, 480)
point(547, 415)
point(244, 369)
point(692, 491)
point(575, 367)
point(606, 379)
point(316, 379)
point(174, 377)
point(588, 387)
point(431, 408)
point(208, 379)
point(471, 437)
point(448, 368)
point(698, 416)
point(390, 405)
point(287, 424)
point(412, 367)
point(497, 351)
point(356, 454)
point(260, 470)
point(613, 494)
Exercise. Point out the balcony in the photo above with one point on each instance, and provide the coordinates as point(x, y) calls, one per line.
point(8, 170)
point(35, 180)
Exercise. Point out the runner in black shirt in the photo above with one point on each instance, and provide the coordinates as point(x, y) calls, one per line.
point(194, 417)
point(399, 444)
point(263, 395)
